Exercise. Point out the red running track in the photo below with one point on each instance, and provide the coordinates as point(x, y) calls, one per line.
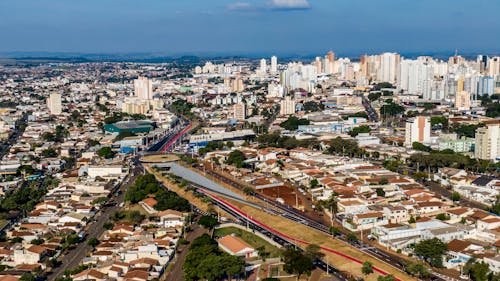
point(174, 139)
point(283, 235)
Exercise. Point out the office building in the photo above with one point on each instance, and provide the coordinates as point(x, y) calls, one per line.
point(54, 103)
point(287, 106)
point(418, 129)
point(488, 141)
point(143, 88)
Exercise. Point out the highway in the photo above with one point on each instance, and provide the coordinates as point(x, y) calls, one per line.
point(290, 213)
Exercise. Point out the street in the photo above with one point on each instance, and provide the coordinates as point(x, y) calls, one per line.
point(75, 256)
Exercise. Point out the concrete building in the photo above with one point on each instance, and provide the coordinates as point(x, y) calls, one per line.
point(239, 111)
point(143, 88)
point(418, 129)
point(462, 100)
point(488, 141)
point(494, 66)
point(274, 64)
point(263, 66)
point(389, 64)
point(287, 106)
point(54, 103)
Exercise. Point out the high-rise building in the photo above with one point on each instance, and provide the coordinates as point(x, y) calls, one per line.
point(331, 56)
point(287, 106)
point(143, 88)
point(240, 111)
point(462, 100)
point(54, 103)
point(318, 65)
point(418, 129)
point(487, 145)
point(415, 77)
point(388, 71)
point(263, 66)
point(494, 66)
point(274, 64)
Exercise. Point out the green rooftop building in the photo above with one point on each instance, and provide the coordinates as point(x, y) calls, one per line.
point(135, 127)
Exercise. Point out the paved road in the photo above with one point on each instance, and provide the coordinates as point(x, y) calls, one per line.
point(464, 202)
point(96, 229)
point(176, 273)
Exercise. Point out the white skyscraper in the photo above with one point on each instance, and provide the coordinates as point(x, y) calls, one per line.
point(418, 129)
point(274, 64)
point(143, 88)
point(54, 104)
point(389, 63)
point(488, 141)
point(287, 106)
point(494, 66)
point(263, 66)
point(416, 77)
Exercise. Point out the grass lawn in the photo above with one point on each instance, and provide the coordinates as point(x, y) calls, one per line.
point(252, 239)
point(305, 233)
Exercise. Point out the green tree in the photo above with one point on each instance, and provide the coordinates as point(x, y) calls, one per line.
point(27, 276)
point(208, 222)
point(391, 109)
point(106, 152)
point(388, 277)
point(93, 242)
point(455, 196)
point(439, 120)
point(312, 106)
point(314, 251)
point(421, 147)
point(478, 271)
point(374, 96)
point(49, 153)
point(432, 251)
point(367, 268)
point(359, 130)
point(442, 217)
point(296, 262)
point(313, 183)
point(351, 237)
point(429, 106)
point(169, 200)
point(334, 230)
point(263, 254)
point(236, 158)
point(417, 269)
point(380, 192)
point(293, 123)
point(108, 225)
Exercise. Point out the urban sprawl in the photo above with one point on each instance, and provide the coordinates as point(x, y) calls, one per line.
point(380, 168)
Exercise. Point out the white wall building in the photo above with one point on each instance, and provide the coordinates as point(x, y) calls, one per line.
point(418, 129)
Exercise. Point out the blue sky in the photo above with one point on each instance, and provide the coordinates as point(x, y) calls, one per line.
point(249, 26)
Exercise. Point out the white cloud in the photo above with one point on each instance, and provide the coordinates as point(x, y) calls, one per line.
point(290, 4)
point(239, 6)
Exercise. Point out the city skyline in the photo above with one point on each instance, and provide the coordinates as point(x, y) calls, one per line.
point(281, 27)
